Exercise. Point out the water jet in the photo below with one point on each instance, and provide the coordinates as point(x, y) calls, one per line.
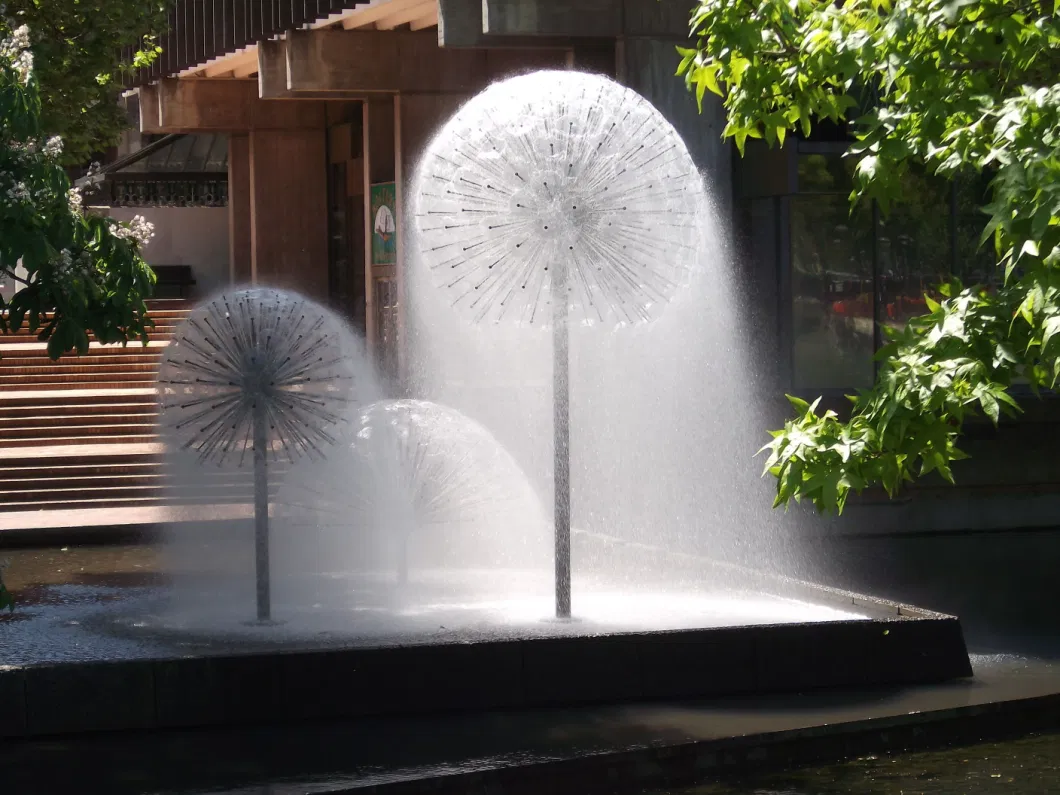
point(552, 197)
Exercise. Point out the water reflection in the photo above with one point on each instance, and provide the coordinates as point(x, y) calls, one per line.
point(1027, 766)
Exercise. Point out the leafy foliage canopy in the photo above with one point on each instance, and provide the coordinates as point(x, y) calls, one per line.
point(953, 85)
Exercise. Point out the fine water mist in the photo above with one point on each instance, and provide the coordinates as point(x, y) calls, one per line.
point(664, 415)
point(430, 516)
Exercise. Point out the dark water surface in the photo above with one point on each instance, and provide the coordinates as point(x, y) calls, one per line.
point(1024, 767)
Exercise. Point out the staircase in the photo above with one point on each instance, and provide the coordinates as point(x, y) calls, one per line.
point(82, 433)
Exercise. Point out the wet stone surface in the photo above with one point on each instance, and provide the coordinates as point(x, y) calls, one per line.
point(1029, 766)
point(107, 602)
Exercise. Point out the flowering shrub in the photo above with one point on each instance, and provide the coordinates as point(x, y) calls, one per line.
point(80, 274)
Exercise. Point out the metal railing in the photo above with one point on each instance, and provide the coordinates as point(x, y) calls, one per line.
point(201, 30)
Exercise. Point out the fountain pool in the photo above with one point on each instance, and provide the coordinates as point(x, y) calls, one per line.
point(567, 513)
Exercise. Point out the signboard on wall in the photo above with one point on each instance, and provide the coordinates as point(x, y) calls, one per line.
point(384, 224)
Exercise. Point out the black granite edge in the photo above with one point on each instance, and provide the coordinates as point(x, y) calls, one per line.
point(540, 672)
point(13, 707)
point(99, 535)
point(815, 591)
point(776, 584)
point(688, 764)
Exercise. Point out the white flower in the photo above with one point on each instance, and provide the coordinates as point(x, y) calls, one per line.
point(20, 38)
point(73, 198)
point(54, 146)
point(15, 49)
point(66, 262)
point(139, 229)
point(19, 192)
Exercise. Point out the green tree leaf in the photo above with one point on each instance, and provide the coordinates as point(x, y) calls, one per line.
point(950, 87)
point(82, 274)
point(77, 48)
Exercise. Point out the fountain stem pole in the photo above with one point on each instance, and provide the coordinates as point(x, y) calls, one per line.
point(561, 438)
point(261, 513)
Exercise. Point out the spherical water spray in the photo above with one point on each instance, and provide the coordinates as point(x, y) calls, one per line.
point(254, 375)
point(552, 196)
point(419, 467)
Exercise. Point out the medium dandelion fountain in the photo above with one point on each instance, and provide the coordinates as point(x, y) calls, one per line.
point(559, 196)
point(256, 374)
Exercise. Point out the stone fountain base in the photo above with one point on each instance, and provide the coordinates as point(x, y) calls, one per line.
point(281, 676)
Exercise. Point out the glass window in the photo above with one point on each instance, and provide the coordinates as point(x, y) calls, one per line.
point(850, 270)
point(826, 173)
point(832, 293)
point(913, 248)
point(975, 264)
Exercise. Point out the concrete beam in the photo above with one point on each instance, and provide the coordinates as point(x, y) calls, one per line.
point(460, 26)
point(460, 23)
point(149, 110)
point(272, 76)
point(215, 105)
point(359, 62)
point(586, 18)
point(272, 70)
point(660, 19)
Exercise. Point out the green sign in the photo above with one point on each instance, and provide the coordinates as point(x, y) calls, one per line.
point(384, 224)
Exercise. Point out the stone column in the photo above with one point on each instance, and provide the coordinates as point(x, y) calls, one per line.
point(289, 212)
point(239, 244)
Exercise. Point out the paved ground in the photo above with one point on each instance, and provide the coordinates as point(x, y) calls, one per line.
point(371, 752)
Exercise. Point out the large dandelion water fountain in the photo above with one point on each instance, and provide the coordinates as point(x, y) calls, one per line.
point(254, 375)
point(551, 200)
point(556, 197)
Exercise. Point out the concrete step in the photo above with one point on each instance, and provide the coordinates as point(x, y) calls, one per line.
point(161, 333)
point(118, 502)
point(63, 369)
point(123, 489)
point(112, 436)
point(94, 358)
point(104, 381)
point(86, 432)
point(102, 451)
point(76, 414)
point(155, 475)
point(37, 348)
point(76, 397)
point(162, 325)
point(34, 472)
point(127, 515)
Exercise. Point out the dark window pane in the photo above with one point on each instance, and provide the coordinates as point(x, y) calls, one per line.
point(826, 173)
point(975, 264)
point(832, 293)
point(913, 248)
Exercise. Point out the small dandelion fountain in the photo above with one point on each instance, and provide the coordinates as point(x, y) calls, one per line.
point(554, 196)
point(256, 374)
point(413, 466)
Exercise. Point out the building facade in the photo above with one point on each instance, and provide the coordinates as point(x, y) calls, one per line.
point(327, 106)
